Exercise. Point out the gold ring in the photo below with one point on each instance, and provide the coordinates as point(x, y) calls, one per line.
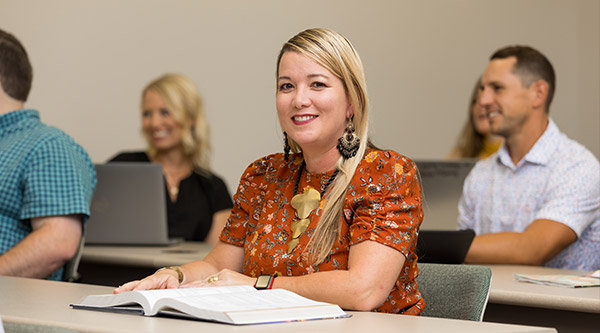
point(212, 279)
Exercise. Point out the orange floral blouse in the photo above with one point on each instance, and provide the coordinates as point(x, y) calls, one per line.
point(383, 204)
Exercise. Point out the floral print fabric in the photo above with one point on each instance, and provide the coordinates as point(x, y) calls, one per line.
point(382, 204)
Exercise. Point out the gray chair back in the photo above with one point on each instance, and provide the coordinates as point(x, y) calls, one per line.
point(70, 273)
point(454, 291)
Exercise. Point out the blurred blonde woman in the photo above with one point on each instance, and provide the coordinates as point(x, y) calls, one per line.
point(476, 139)
point(177, 135)
point(332, 218)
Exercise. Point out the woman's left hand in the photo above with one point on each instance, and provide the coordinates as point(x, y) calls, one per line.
point(225, 277)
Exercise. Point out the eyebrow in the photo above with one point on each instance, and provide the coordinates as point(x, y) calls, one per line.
point(493, 82)
point(310, 76)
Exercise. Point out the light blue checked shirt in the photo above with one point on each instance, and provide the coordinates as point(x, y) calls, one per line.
point(558, 179)
point(43, 172)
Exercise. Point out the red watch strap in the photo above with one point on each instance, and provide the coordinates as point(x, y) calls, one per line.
point(269, 284)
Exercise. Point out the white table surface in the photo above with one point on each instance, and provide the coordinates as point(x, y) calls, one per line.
point(506, 290)
point(41, 302)
point(146, 256)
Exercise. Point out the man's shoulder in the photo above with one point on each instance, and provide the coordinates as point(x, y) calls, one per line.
point(574, 151)
point(36, 137)
point(55, 139)
point(566, 160)
point(44, 142)
point(566, 150)
point(41, 132)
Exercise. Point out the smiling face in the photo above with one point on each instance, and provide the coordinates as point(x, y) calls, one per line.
point(507, 103)
point(312, 103)
point(480, 118)
point(161, 130)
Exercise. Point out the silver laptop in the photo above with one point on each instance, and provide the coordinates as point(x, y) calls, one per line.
point(442, 184)
point(128, 206)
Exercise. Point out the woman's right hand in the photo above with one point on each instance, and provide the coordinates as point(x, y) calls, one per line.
point(162, 279)
point(214, 262)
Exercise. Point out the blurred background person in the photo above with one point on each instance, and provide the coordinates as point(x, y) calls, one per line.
point(177, 134)
point(476, 139)
point(537, 201)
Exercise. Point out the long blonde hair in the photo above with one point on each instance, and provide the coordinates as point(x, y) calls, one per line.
point(335, 53)
point(470, 143)
point(185, 106)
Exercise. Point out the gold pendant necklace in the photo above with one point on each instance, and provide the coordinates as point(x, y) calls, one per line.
point(174, 190)
point(172, 185)
point(304, 204)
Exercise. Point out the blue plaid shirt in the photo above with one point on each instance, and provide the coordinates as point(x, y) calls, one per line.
point(43, 172)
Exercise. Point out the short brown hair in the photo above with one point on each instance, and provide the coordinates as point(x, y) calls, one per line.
point(16, 73)
point(531, 66)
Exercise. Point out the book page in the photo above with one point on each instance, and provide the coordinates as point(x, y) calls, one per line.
point(148, 298)
point(253, 307)
point(247, 300)
point(154, 296)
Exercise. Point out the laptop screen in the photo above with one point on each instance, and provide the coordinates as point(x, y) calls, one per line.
point(444, 246)
point(128, 206)
point(442, 184)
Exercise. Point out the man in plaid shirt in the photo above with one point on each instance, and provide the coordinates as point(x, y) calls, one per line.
point(46, 179)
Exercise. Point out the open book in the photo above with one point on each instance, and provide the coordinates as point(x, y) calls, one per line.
point(232, 304)
point(573, 281)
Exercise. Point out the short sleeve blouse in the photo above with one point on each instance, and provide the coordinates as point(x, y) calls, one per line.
point(382, 204)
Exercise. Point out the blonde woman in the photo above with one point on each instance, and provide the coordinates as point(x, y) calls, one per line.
point(476, 139)
point(176, 131)
point(332, 218)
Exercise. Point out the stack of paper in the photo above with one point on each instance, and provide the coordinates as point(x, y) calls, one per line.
point(573, 281)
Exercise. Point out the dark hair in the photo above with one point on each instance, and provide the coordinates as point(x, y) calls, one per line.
point(531, 66)
point(16, 73)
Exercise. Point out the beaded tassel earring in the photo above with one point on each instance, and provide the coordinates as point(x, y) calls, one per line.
point(349, 143)
point(286, 147)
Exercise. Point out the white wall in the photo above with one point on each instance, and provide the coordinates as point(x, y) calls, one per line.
point(92, 58)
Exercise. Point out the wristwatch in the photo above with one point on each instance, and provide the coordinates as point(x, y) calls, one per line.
point(264, 281)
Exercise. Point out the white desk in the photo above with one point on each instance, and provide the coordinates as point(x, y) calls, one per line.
point(506, 290)
point(146, 256)
point(568, 309)
point(41, 302)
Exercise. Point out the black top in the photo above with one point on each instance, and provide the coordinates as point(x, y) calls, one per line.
point(199, 197)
